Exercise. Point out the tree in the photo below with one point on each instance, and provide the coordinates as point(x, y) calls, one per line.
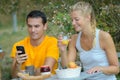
point(10, 7)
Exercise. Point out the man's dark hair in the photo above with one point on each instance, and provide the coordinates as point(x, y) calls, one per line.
point(37, 14)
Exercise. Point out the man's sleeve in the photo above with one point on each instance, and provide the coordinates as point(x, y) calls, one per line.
point(53, 50)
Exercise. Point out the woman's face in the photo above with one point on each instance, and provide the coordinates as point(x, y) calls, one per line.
point(79, 21)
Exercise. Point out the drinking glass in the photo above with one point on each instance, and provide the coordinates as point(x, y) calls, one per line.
point(29, 69)
point(65, 40)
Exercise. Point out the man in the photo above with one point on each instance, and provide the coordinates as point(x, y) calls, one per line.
point(40, 49)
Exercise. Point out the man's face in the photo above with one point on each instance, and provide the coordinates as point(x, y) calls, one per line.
point(36, 28)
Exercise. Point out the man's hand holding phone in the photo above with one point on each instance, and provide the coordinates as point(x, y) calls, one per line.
point(21, 56)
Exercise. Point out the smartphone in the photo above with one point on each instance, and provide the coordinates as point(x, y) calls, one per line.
point(20, 48)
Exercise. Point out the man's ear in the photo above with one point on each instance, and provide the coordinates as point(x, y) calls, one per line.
point(45, 26)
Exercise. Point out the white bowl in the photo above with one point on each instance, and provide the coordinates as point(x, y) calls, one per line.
point(68, 73)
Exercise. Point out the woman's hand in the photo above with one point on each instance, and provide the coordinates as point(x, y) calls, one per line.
point(94, 70)
point(61, 45)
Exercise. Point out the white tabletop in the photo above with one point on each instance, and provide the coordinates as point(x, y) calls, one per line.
point(83, 75)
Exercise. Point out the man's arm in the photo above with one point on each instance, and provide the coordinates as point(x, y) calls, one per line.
point(15, 68)
point(17, 62)
point(50, 62)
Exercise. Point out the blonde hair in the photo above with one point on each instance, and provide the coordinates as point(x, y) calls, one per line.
point(85, 9)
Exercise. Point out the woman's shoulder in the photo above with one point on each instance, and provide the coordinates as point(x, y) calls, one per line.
point(105, 38)
point(104, 35)
point(74, 36)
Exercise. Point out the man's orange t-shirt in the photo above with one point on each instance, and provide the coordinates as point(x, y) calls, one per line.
point(37, 55)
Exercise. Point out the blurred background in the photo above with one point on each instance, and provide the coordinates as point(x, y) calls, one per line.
point(13, 26)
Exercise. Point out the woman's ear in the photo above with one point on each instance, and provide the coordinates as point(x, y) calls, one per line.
point(89, 17)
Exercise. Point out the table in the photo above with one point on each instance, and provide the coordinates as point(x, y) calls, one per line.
point(16, 79)
point(83, 75)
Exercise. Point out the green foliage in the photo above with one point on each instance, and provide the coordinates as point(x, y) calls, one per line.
point(9, 6)
point(108, 20)
point(107, 12)
point(62, 22)
point(6, 68)
point(1, 24)
point(7, 39)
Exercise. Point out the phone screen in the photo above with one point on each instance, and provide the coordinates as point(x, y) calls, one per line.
point(20, 48)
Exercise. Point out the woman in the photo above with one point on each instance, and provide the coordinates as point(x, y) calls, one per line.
point(96, 47)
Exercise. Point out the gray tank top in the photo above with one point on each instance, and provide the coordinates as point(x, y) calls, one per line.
point(94, 57)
